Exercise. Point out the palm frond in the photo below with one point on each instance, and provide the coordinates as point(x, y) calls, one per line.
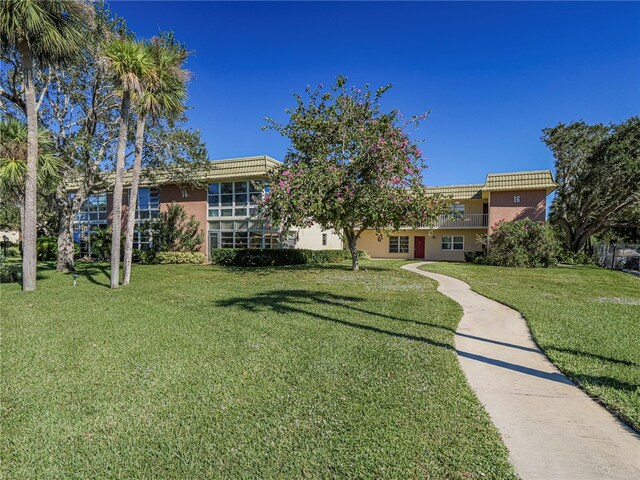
point(53, 29)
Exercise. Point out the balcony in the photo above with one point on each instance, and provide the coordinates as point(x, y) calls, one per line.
point(469, 220)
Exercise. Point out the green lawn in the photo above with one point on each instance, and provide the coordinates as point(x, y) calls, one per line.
point(586, 319)
point(202, 372)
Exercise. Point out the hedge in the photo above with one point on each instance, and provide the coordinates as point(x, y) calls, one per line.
point(180, 257)
point(250, 257)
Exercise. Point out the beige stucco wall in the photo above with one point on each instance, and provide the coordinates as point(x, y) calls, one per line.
point(433, 244)
point(311, 238)
point(471, 206)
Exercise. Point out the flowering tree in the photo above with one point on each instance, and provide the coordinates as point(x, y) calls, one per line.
point(350, 167)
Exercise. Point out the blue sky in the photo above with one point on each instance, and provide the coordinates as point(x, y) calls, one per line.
point(492, 74)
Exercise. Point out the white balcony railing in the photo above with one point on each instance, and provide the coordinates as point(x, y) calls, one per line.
point(469, 220)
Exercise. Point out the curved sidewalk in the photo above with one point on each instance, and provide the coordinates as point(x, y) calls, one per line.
point(553, 430)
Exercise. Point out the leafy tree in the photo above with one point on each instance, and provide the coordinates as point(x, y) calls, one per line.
point(129, 64)
point(162, 95)
point(79, 109)
point(13, 164)
point(598, 175)
point(350, 167)
point(521, 243)
point(42, 33)
point(173, 231)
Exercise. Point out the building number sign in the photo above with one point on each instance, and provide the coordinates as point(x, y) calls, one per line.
point(516, 199)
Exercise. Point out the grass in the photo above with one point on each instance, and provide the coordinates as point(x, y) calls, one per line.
point(586, 319)
point(205, 372)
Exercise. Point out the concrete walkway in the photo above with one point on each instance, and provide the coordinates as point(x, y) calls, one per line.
point(552, 429)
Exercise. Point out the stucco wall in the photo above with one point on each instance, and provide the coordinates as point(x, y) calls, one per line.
point(311, 238)
point(471, 206)
point(433, 244)
point(503, 205)
point(195, 204)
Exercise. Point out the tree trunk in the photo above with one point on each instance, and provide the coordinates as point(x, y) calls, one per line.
point(133, 199)
point(65, 260)
point(116, 212)
point(353, 247)
point(29, 225)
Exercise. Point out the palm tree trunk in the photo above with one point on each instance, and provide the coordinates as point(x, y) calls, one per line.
point(133, 199)
point(116, 211)
point(29, 232)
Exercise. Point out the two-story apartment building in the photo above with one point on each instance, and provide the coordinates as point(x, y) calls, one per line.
point(227, 211)
point(475, 210)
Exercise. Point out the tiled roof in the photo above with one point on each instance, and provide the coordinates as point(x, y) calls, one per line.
point(539, 179)
point(227, 169)
point(520, 181)
point(458, 192)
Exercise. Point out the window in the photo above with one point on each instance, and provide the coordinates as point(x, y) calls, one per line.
point(148, 206)
point(457, 208)
point(234, 199)
point(91, 217)
point(324, 239)
point(398, 244)
point(242, 234)
point(452, 243)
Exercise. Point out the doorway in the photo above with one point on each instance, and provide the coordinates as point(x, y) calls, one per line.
point(418, 247)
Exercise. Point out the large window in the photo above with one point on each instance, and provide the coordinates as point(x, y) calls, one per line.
point(93, 210)
point(91, 217)
point(148, 205)
point(242, 234)
point(398, 244)
point(452, 243)
point(235, 199)
point(147, 209)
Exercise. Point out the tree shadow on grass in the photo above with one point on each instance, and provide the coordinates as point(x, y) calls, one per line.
point(595, 356)
point(303, 301)
point(96, 273)
point(342, 266)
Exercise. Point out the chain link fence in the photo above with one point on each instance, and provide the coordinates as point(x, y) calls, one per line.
point(618, 256)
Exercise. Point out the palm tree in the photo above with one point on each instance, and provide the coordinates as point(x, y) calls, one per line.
point(130, 64)
point(13, 162)
point(162, 96)
point(45, 33)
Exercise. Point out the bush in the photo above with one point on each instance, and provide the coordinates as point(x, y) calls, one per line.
point(522, 243)
point(572, 258)
point(46, 248)
point(248, 257)
point(196, 258)
point(9, 272)
point(478, 256)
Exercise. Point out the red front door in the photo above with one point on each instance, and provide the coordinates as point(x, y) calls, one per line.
point(418, 247)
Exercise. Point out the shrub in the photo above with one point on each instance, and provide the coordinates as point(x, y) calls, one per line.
point(46, 248)
point(196, 258)
point(580, 258)
point(522, 243)
point(174, 231)
point(247, 257)
point(9, 273)
point(479, 256)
